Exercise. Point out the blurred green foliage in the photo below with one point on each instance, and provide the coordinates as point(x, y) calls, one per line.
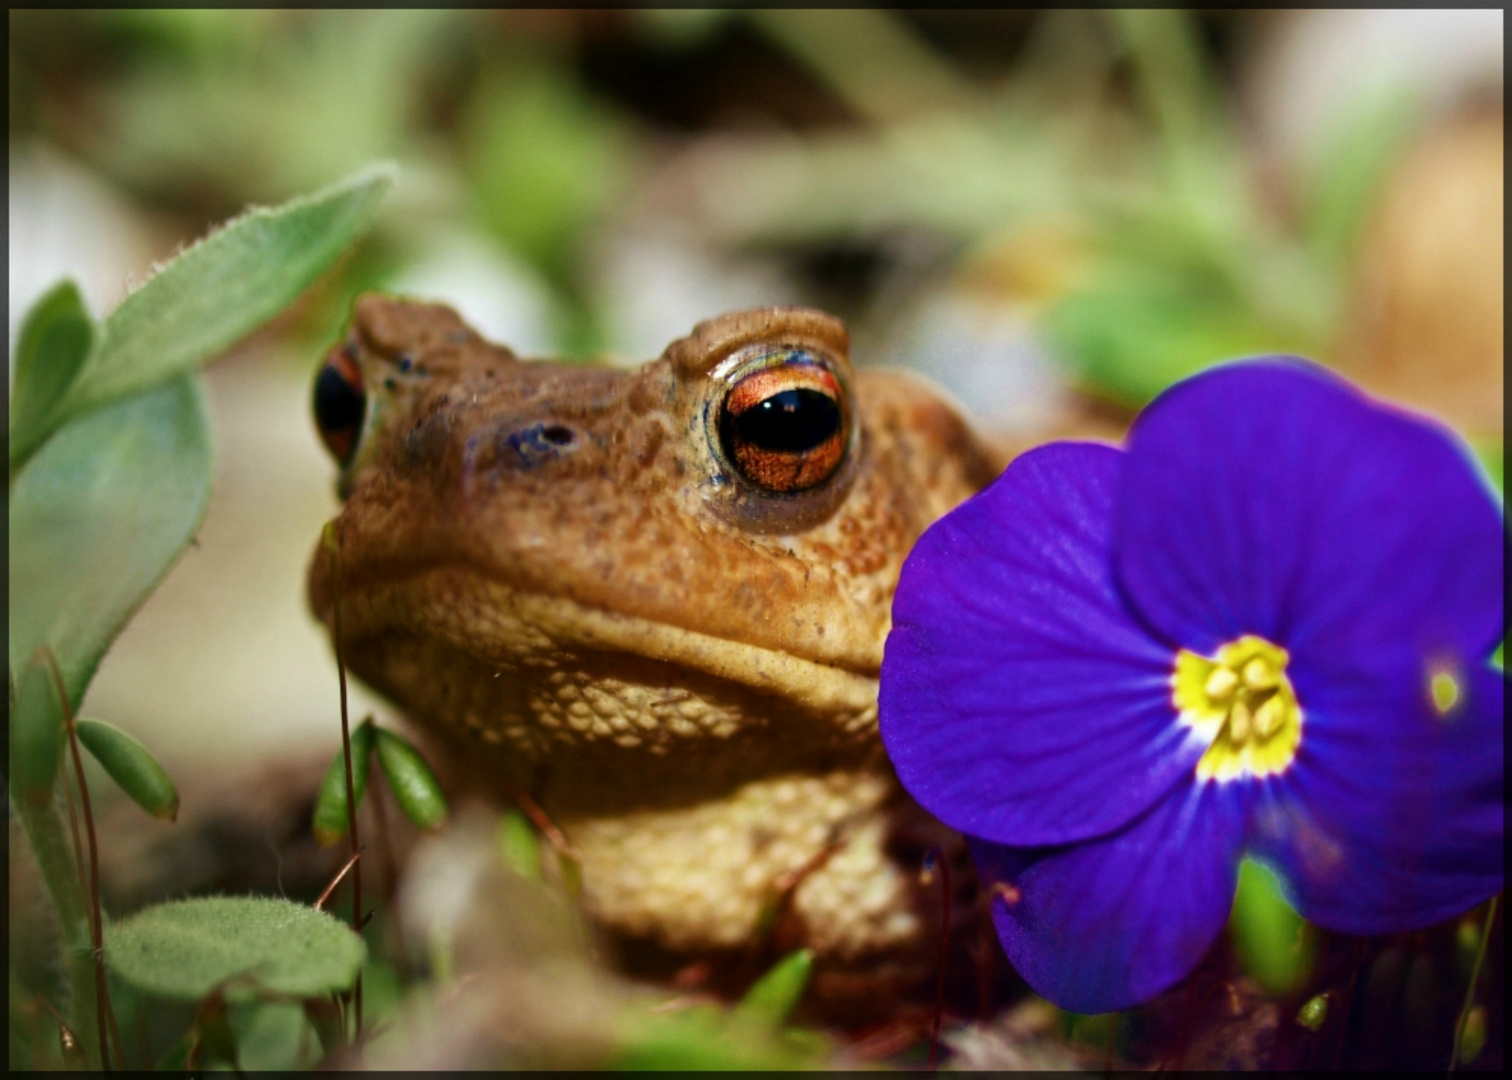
point(544, 161)
point(1117, 121)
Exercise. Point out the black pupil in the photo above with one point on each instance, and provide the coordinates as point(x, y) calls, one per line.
point(789, 420)
point(338, 404)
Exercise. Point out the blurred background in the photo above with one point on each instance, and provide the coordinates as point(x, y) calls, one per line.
point(1052, 214)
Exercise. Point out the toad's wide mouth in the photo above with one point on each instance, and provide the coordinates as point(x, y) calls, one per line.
point(476, 613)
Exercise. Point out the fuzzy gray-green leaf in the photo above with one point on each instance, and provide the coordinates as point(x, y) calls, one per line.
point(132, 766)
point(224, 287)
point(414, 785)
point(53, 344)
point(244, 945)
point(96, 518)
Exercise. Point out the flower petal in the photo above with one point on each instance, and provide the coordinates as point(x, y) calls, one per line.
point(1391, 818)
point(1020, 701)
point(1271, 498)
point(1110, 923)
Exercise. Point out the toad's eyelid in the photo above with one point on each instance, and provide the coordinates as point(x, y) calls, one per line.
point(775, 356)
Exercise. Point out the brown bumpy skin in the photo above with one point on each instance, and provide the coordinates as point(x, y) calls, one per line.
point(553, 568)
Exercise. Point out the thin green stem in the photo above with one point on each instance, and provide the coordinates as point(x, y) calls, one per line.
point(97, 918)
point(1475, 969)
point(49, 841)
point(346, 750)
point(100, 990)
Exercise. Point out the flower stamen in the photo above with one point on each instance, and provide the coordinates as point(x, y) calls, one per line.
point(1221, 683)
point(1242, 702)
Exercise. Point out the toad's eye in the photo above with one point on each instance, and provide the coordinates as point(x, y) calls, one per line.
point(785, 428)
point(339, 404)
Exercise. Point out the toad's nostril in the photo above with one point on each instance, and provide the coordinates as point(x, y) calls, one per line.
point(538, 443)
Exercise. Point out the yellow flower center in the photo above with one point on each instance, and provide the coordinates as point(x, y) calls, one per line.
point(1242, 702)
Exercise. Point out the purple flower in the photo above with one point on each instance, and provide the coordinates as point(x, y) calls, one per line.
point(1263, 629)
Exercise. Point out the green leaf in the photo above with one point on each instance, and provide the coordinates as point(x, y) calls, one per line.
point(330, 818)
point(132, 766)
point(36, 734)
point(247, 946)
point(415, 787)
point(1473, 1037)
point(777, 993)
point(224, 287)
point(54, 341)
point(518, 845)
point(1268, 935)
point(98, 516)
point(1314, 1012)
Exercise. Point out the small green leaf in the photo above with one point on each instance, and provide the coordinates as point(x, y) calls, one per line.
point(1314, 1012)
point(330, 819)
point(243, 945)
point(224, 287)
point(1268, 935)
point(132, 766)
point(36, 734)
point(777, 993)
point(96, 518)
point(414, 785)
point(54, 341)
point(1473, 1037)
point(518, 845)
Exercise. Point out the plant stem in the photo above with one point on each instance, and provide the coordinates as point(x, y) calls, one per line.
point(1475, 969)
point(97, 918)
point(102, 986)
point(49, 842)
point(346, 751)
point(96, 921)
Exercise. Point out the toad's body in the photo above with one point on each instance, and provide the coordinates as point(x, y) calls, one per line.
point(607, 590)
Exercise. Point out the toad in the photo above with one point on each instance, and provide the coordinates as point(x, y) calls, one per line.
point(654, 600)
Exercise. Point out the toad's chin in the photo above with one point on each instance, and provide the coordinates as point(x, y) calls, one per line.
point(538, 672)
